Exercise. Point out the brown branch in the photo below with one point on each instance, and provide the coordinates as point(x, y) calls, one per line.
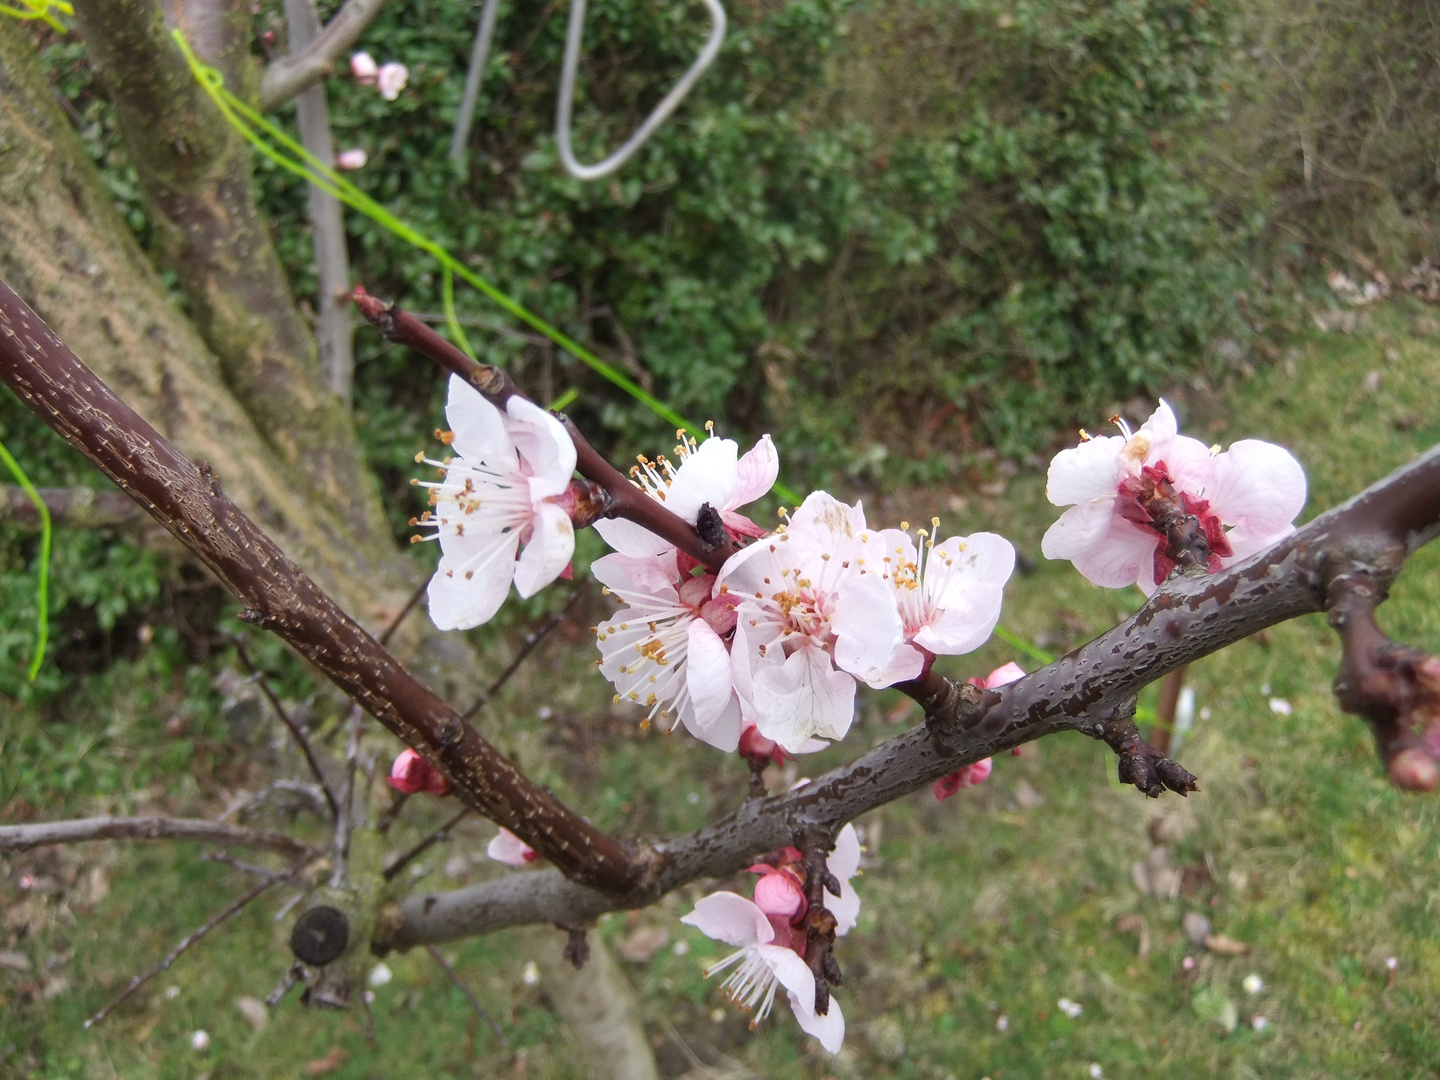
point(277, 595)
point(1187, 618)
point(185, 943)
point(626, 500)
point(406, 858)
point(470, 997)
point(25, 837)
point(286, 77)
point(820, 923)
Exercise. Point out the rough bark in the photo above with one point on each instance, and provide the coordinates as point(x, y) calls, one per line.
point(195, 173)
point(67, 252)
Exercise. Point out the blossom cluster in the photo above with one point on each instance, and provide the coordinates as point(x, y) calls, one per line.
point(763, 654)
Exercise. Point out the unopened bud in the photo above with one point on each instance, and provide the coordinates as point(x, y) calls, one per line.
point(1413, 770)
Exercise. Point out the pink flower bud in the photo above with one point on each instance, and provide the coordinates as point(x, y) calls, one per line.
point(363, 67)
point(351, 159)
point(968, 777)
point(411, 773)
point(510, 849)
point(758, 750)
point(1413, 770)
point(392, 79)
point(778, 894)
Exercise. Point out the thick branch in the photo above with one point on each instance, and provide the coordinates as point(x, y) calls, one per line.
point(25, 837)
point(626, 500)
point(1188, 618)
point(277, 595)
point(289, 75)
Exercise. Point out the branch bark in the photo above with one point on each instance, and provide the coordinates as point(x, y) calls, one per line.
point(277, 595)
point(25, 837)
point(1190, 616)
point(288, 76)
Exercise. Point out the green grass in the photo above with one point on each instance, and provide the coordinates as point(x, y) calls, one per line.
point(996, 903)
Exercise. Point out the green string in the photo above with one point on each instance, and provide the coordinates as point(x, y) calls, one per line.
point(42, 588)
point(40, 9)
point(1016, 641)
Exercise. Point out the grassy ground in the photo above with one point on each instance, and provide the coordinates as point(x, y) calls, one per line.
point(980, 914)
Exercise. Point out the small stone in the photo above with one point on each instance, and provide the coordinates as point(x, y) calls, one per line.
point(1196, 927)
point(1281, 707)
point(200, 1041)
point(1002, 1023)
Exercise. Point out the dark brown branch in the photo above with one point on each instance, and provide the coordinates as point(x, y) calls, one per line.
point(277, 595)
point(627, 500)
point(820, 923)
point(25, 837)
point(1188, 618)
point(296, 731)
point(286, 77)
point(1394, 688)
point(474, 1001)
point(185, 943)
point(1140, 763)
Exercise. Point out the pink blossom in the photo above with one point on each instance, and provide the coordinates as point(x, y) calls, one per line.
point(411, 773)
point(763, 966)
point(709, 472)
point(948, 592)
point(509, 485)
point(351, 159)
point(1244, 499)
point(969, 776)
point(508, 848)
point(810, 622)
point(391, 80)
point(779, 893)
point(664, 650)
point(363, 67)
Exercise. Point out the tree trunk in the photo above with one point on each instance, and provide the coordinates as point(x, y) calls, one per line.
point(66, 250)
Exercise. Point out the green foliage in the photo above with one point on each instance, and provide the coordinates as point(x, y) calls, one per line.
point(1019, 255)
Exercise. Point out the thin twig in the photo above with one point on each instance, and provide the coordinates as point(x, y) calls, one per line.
point(474, 1002)
point(531, 642)
point(442, 833)
point(25, 837)
point(415, 598)
point(296, 731)
point(175, 953)
point(238, 864)
point(344, 822)
point(286, 77)
point(398, 799)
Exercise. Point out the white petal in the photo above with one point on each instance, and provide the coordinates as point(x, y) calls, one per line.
point(1125, 556)
point(508, 848)
point(653, 575)
point(755, 473)
point(479, 428)
point(845, 908)
point(467, 592)
point(1161, 426)
point(630, 539)
point(548, 551)
point(868, 631)
point(823, 515)
point(966, 591)
point(905, 664)
point(1089, 471)
point(544, 444)
point(706, 476)
point(707, 676)
point(1258, 485)
point(732, 919)
point(799, 982)
point(844, 861)
point(1079, 529)
point(1189, 463)
point(802, 697)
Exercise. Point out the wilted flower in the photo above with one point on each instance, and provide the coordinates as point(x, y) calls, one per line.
point(1244, 500)
point(391, 80)
point(509, 484)
point(411, 773)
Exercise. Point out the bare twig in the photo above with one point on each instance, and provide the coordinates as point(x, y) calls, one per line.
point(25, 837)
point(278, 595)
point(820, 923)
point(286, 77)
point(244, 867)
point(531, 642)
point(296, 731)
point(185, 943)
point(415, 598)
point(345, 820)
point(470, 997)
point(406, 858)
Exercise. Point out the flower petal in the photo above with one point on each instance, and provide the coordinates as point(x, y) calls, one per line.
point(508, 848)
point(1125, 556)
point(630, 539)
point(868, 631)
point(469, 587)
point(707, 676)
point(728, 917)
point(1091, 470)
point(799, 982)
point(802, 697)
point(547, 552)
point(1257, 485)
point(544, 444)
point(479, 428)
point(1079, 529)
point(707, 475)
point(755, 473)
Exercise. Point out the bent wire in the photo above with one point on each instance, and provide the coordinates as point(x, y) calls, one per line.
point(565, 107)
point(473, 78)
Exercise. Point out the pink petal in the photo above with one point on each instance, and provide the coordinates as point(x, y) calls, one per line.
point(778, 894)
point(868, 631)
point(1256, 485)
point(1189, 463)
point(802, 697)
point(707, 675)
point(508, 848)
point(1125, 556)
point(652, 575)
point(755, 474)
point(1089, 471)
point(1078, 530)
point(544, 444)
point(1004, 675)
point(730, 918)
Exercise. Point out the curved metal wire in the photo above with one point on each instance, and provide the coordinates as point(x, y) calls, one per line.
point(564, 109)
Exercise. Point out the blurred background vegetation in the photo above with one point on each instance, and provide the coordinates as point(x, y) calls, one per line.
point(919, 242)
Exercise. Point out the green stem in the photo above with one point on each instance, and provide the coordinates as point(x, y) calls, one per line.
point(42, 617)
